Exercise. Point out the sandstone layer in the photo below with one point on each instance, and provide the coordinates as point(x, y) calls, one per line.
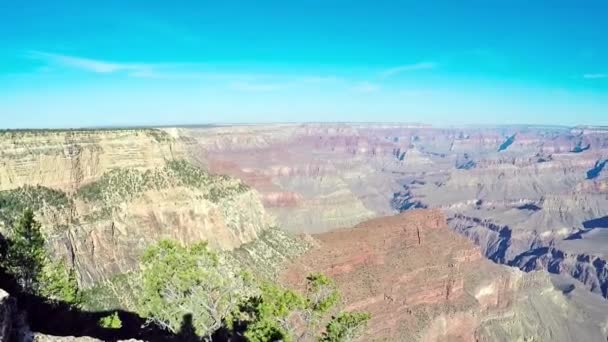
point(104, 196)
point(532, 197)
point(422, 282)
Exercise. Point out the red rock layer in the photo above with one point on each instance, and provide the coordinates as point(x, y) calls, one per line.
point(406, 270)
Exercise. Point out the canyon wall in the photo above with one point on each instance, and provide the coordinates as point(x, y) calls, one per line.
point(516, 191)
point(66, 159)
point(423, 282)
point(104, 196)
point(531, 197)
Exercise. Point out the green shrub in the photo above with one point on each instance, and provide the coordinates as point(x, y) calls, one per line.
point(345, 327)
point(59, 283)
point(26, 259)
point(177, 281)
point(267, 314)
point(111, 321)
point(14, 202)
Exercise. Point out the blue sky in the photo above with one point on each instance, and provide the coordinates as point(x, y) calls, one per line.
point(76, 63)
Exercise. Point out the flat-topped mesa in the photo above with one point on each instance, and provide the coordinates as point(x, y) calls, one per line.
point(65, 159)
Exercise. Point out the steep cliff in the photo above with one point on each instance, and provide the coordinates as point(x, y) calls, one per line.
point(131, 190)
point(422, 282)
point(67, 159)
point(537, 192)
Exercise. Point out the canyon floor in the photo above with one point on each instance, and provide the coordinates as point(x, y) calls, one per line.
point(509, 246)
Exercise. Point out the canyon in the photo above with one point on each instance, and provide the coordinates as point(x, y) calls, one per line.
point(511, 237)
point(530, 197)
point(422, 282)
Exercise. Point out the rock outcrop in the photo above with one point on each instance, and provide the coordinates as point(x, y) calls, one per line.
point(67, 159)
point(104, 195)
point(534, 193)
point(7, 316)
point(422, 282)
point(131, 191)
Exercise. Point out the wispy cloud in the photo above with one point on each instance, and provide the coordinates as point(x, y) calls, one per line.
point(365, 87)
point(595, 76)
point(409, 67)
point(88, 64)
point(240, 81)
point(257, 87)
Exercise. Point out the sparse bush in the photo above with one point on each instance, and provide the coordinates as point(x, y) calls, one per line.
point(14, 202)
point(121, 185)
point(322, 293)
point(111, 321)
point(345, 327)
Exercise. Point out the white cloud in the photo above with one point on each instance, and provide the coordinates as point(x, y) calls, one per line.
point(365, 87)
point(178, 71)
point(595, 76)
point(87, 64)
point(246, 82)
point(409, 67)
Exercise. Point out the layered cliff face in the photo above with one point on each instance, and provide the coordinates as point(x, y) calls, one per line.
point(534, 198)
point(312, 177)
point(512, 190)
point(422, 282)
point(66, 159)
point(132, 190)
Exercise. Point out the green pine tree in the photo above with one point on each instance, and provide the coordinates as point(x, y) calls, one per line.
point(25, 253)
point(58, 282)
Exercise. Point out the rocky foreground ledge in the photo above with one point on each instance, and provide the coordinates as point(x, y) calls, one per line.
point(423, 282)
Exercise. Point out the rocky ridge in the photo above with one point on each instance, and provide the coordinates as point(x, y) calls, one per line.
point(134, 190)
point(422, 282)
point(534, 193)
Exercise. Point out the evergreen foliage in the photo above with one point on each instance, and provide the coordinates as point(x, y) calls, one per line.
point(26, 259)
point(59, 283)
point(267, 315)
point(191, 284)
point(14, 202)
point(177, 281)
point(345, 327)
point(111, 321)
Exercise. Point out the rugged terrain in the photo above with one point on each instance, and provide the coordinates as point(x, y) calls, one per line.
point(103, 196)
point(423, 282)
point(531, 197)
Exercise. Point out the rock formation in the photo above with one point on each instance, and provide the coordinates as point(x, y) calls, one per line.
point(422, 282)
point(538, 204)
point(132, 190)
point(534, 193)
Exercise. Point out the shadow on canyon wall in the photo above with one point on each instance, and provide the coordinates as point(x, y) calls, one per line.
point(601, 222)
point(59, 318)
